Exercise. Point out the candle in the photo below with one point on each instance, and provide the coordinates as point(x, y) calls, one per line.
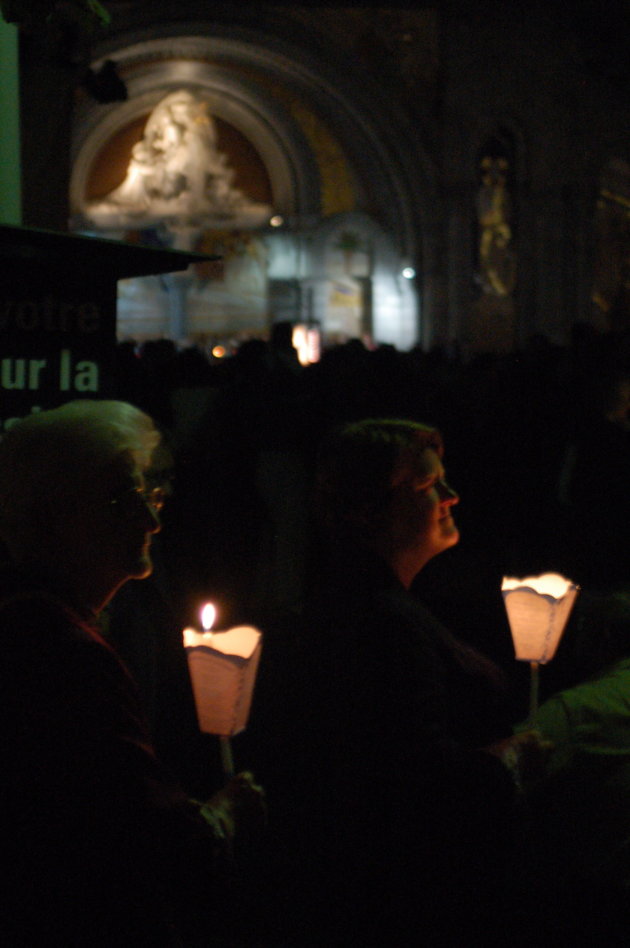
point(537, 608)
point(223, 667)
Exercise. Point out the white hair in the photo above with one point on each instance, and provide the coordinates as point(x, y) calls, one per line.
point(49, 453)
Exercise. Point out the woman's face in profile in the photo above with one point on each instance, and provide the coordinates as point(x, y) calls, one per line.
point(421, 513)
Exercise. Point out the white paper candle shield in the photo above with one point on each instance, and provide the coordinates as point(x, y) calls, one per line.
point(223, 667)
point(538, 608)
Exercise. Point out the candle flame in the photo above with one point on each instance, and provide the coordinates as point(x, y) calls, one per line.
point(208, 615)
point(547, 584)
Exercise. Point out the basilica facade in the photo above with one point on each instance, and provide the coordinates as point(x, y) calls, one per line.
point(439, 174)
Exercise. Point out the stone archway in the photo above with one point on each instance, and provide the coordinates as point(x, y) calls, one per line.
point(321, 146)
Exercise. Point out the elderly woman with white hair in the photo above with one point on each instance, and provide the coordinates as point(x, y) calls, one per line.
point(100, 844)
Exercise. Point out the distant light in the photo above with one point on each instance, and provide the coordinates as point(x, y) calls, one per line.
point(218, 352)
point(409, 273)
point(306, 340)
point(276, 220)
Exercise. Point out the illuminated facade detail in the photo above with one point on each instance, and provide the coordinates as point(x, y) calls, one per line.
point(296, 168)
point(177, 175)
point(492, 314)
point(338, 192)
point(497, 259)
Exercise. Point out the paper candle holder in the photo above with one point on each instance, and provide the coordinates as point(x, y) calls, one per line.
point(538, 608)
point(223, 668)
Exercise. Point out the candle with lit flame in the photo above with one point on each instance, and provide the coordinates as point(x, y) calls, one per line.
point(223, 667)
point(538, 608)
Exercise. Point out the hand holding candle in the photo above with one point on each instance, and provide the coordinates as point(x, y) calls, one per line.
point(240, 809)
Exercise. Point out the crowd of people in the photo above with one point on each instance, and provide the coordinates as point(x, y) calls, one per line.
point(528, 435)
point(404, 803)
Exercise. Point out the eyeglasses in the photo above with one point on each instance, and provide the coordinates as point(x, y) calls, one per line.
point(133, 499)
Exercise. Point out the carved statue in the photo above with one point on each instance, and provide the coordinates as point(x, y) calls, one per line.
point(176, 173)
point(497, 260)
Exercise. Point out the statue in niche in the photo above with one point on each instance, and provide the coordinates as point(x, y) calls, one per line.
point(497, 259)
point(177, 175)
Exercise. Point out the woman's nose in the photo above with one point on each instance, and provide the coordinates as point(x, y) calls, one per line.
point(447, 494)
point(152, 518)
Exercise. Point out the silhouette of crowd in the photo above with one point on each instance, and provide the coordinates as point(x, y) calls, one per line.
point(531, 435)
point(537, 447)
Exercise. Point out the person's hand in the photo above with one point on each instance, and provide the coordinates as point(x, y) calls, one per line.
point(525, 754)
point(240, 808)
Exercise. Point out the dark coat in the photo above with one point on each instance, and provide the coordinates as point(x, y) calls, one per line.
point(399, 827)
point(100, 845)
